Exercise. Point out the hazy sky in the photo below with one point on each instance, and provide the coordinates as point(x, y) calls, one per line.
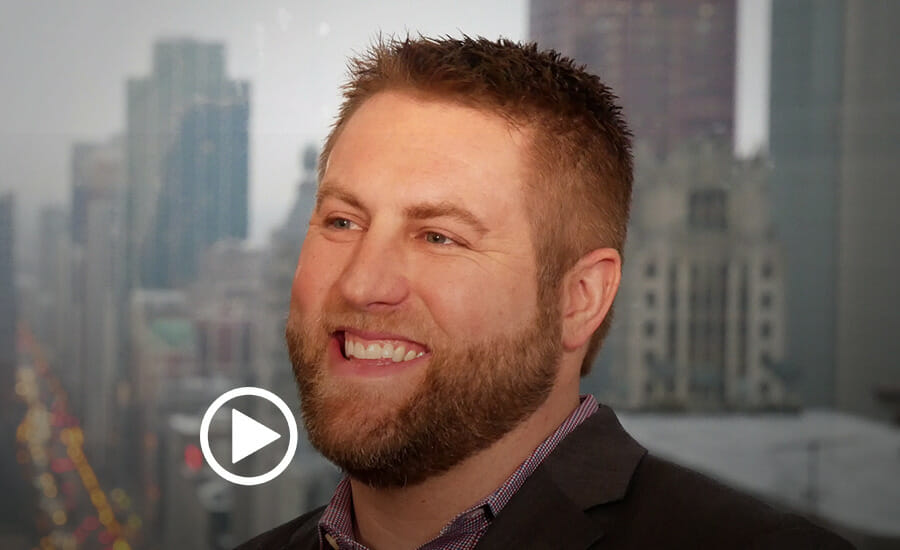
point(65, 64)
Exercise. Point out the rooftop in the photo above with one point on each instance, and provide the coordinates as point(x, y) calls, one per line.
point(842, 468)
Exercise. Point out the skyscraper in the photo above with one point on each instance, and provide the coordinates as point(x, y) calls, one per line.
point(95, 255)
point(54, 304)
point(834, 133)
point(672, 62)
point(701, 302)
point(203, 198)
point(98, 183)
point(185, 72)
point(8, 307)
point(17, 505)
point(868, 300)
point(804, 143)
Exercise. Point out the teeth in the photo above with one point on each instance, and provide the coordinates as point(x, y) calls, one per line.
point(387, 350)
point(373, 351)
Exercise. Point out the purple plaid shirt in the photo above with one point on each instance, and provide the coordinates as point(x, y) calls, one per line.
point(464, 532)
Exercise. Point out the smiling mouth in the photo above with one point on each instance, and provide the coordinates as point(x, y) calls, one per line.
point(355, 346)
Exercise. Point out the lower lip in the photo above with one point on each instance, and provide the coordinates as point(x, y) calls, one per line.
point(366, 367)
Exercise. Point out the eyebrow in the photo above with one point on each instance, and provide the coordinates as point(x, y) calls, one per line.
point(422, 211)
point(445, 209)
point(335, 191)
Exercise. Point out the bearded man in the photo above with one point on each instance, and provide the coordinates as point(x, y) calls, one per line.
point(455, 284)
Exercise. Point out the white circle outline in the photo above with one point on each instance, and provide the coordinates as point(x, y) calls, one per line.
point(207, 451)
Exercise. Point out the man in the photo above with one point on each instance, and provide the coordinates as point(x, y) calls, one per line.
point(455, 283)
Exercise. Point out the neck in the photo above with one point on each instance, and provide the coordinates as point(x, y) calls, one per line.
point(408, 517)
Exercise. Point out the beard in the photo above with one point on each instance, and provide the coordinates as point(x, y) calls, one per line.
point(470, 395)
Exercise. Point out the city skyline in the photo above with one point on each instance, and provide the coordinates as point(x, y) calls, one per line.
point(295, 59)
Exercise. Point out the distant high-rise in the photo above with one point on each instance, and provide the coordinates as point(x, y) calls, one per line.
point(185, 73)
point(701, 305)
point(97, 173)
point(804, 143)
point(97, 269)
point(203, 198)
point(8, 309)
point(672, 62)
point(868, 300)
point(227, 302)
point(835, 127)
point(17, 506)
point(55, 312)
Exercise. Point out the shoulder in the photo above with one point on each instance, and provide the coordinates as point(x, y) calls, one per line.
point(638, 500)
point(667, 502)
point(275, 539)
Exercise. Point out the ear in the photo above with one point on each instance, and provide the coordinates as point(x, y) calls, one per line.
point(589, 288)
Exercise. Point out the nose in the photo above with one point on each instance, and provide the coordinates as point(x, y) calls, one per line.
point(375, 278)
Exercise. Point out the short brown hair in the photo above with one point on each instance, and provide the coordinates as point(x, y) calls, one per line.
point(581, 153)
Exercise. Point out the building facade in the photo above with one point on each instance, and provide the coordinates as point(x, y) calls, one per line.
point(672, 62)
point(804, 143)
point(702, 299)
point(868, 302)
point(97, 275)
point(185, 72)
point(204, 193)
point(8, 306)
point(834, 135)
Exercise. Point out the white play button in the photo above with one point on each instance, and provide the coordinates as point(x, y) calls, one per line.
point(248, 436)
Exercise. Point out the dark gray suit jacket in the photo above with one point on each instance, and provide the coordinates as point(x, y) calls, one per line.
point(600, 489)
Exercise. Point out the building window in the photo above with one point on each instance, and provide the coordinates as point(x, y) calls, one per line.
point(649, 328)
point(650, 270)
point(765, 300)
point(650, 298)
point(767, 270)
point(673, 339)
point(765, 330)
point(708, 209)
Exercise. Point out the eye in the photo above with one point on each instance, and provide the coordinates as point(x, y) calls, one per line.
point(340, 223)
point(437, 238)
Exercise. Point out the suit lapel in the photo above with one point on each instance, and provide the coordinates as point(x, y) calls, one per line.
point(307, 535)
point(540, 516)
point(590, 467)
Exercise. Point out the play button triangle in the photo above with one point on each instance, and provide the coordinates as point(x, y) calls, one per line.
point(248, 436)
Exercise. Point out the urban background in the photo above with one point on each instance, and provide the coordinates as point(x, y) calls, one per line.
point(157, 174)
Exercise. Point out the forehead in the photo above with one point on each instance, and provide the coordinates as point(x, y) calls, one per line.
point(431, 150)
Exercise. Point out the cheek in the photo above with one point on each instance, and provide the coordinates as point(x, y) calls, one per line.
point(311, 278)
point(473, 304)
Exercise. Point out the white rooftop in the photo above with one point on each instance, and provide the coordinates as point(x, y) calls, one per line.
point(840, 467)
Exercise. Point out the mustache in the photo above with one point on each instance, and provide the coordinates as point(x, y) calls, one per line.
point(337, 317)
